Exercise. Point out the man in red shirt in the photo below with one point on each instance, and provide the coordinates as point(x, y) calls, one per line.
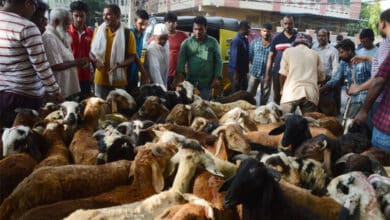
point(81, 44)
point(175, 39)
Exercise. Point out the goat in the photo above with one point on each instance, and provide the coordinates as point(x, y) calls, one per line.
point(201, 108)
point(58, 153)
point(383, 156)
point(255, 188)
point(220, 109)
point(190, 156)
point(148, 175)
point(269, 113)
point(136, 131)
point(113, 146)
point(152, 90)
point(239, 116)
point(181, 115)
point(13, 169)
point(355, 193)
point(22, 139)
point(356, 162)
point(307, 173)
point(26, 117)
point(202, 124)
point(122, 102)
point(52, 184)
point(236, 96)
point(153, 109)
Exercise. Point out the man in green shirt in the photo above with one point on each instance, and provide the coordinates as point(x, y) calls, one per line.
point(202, 54)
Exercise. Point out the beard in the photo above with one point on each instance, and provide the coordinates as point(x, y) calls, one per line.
point(347, 59)
point(63, 35)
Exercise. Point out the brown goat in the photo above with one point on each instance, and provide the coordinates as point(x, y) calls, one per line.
point(146, 173)
point(13, 169)
point(52, 184)
point(58, 153)
point(181, 115)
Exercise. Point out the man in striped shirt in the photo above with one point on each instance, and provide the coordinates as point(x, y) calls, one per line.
point(25, 74)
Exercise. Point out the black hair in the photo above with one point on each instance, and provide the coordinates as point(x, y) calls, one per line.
point(367, 33)
point(170, 16)
point(115, 8)
point(385, 16)
point(339, 37)
point(267, 26)
point(78, 6)
point(244, 25)
point(289, 17)
point(347, 45)
point(41, 9)
point(14, 1)
point(141, 14)
point(200, 20)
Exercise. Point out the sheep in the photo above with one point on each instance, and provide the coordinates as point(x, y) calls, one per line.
point(22, 139)
point(148, 174)
point(255, 188)
point(240, 116)
point(122, 102)
point(58, 153)
point(236, 96)
point(52, 184)
point(202, 124)
point(306, 173)
point(84, 148)
point(221, 109)
point(381, 185)
point(355, 193)
point(189, 156)
point(269, 113)
point(13, 169)
point(153, 109)
point(113, 146)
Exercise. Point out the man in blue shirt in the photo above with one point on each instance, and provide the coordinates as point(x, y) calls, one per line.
point(258, 55)
point(140, 24)
point(355, 73)
point(239, 59)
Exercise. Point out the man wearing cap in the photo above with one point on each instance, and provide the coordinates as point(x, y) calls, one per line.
point(239, 58)
point(258, 55)
point(156, 60)
point(300, 71)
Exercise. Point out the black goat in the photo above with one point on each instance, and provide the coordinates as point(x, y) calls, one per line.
point(255, 188)
point(296, 131)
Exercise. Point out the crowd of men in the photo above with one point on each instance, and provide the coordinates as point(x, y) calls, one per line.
point(52, 60)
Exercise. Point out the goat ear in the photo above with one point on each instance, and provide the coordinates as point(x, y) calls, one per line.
point(157, 176)
point(210, 167)
point(278, 130)
point(225, 186)
point(172, 164)
point(328, 161)
point(83, 104)
point(324, 145)
point(33, 150)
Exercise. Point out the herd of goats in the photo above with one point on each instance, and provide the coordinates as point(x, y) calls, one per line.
point(172, 155)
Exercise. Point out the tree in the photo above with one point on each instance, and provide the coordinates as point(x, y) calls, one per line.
point(95, 9)
point(369, 18)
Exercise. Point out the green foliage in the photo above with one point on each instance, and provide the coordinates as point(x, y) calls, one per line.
point(95, 10)
point(369, 18)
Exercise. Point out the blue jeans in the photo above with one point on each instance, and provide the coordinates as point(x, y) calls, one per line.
point(205, 92)
point(380, 139)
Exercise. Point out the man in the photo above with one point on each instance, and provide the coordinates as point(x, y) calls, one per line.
point(175, 39)
point(156, 60)
point(330, 61)
point(140, 24)
point(258, 54)
point(375, 98)
point(81, 44)
point(281, 42)
point(367, 38)
point(202, 54)
point(57, 44)
point(109, 52)
point(355, 73)
point(239, 58)
point(25, 73)
point(39, 17)
point(300, 71)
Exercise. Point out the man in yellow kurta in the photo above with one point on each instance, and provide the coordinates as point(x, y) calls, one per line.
point(108, 52)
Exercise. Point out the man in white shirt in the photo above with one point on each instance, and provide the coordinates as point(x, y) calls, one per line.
point(59, 54)
point(300, 71)
point(157, 54)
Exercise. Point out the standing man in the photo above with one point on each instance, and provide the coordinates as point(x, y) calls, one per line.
point(300, 71)
point(39, 17)
point(156, 60)
point(367, 38)
point(109, 52)
point(57, 44)
point(175, 39)
point(81, 44)
point(330, 62)
point(357, 74)
point(202, 54)
point(258, 55)
point(281, 42)
point(141, 21)
point(239, 59)
point(25, 73)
